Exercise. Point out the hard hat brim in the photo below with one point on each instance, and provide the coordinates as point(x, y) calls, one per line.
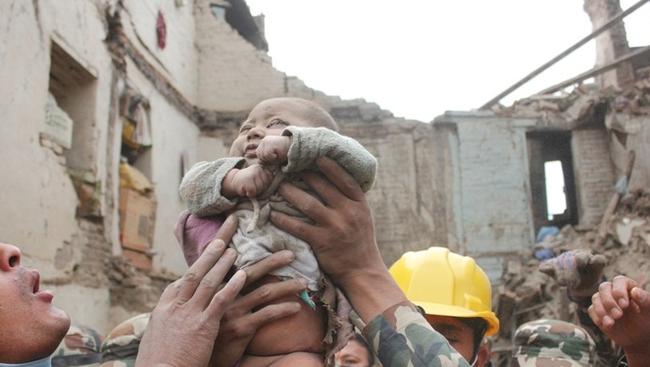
point(438, 309)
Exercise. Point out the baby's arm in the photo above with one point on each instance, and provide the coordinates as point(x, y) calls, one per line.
point(308, 144)
point(201, 187)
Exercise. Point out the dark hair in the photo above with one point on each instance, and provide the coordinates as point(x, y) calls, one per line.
point(361, 340)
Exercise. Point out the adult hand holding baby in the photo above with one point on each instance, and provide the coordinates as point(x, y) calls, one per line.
point(201, 307)
point(246, 315)
point(342, 237)
point(185, 323)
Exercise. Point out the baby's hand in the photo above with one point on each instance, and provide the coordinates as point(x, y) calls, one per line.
point(247, 182)
point(273, 149)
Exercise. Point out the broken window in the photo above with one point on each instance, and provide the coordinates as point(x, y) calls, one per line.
point(73, 90)
point(69, 127)
point(555, 191)
point(137, 197)
point(552, 182)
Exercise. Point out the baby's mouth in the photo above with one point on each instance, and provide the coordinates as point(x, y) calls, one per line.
point(250, 151)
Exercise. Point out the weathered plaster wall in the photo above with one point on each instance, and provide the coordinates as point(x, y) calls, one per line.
point(178, 61)
point(173, 136)
point(39, 201)
point(493, 207)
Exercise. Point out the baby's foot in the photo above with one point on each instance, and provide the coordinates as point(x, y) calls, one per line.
point(579, 270)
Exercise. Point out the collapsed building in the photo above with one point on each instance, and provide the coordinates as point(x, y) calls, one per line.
point(599, 134)
point(108, 103)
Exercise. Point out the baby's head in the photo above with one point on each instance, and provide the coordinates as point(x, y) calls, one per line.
point(271, 116)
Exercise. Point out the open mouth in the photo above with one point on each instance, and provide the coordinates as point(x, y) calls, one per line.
point(43, 295)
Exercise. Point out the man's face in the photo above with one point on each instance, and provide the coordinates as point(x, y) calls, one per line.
point(30, 326)
point(352, 355)
point(458, 334)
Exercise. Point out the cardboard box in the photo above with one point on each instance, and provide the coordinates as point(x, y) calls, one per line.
point(138, 259)
point(137, 220)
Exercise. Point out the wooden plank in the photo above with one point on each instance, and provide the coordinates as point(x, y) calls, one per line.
point(564, 53)
point(596, 71)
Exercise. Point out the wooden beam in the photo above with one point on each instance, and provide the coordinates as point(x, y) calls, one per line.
point(595, 71)
point(564, 53)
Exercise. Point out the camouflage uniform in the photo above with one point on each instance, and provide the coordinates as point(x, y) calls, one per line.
point(79, 347)
point(551, 343)
point(402, 337)
point(607, 353)
point(120, 348)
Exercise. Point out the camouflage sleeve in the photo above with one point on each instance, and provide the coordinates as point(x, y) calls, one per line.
point(401, 337)
point(606, 352)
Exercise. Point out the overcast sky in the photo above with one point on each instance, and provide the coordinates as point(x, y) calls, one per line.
point(419, 58)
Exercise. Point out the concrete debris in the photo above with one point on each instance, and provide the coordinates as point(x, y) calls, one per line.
point(528, 294)
point(580, 105)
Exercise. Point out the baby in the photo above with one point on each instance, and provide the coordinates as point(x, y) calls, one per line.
point(280, 138)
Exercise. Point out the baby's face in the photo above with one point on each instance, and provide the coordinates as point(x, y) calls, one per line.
point(269, 117)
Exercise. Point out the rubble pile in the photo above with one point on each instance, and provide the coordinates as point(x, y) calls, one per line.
point(623, 236)
point(580, 105)
point(527, 294)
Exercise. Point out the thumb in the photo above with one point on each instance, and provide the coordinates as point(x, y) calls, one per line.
point(642, 298)
point(547, 268)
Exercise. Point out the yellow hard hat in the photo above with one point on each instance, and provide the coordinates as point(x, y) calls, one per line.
point(444, 283)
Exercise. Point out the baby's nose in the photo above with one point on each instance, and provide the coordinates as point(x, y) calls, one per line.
point(255, 133)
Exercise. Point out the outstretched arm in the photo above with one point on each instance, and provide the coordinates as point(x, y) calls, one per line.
point(343, 240)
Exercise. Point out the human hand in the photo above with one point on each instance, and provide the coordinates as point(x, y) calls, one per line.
point(185, 323)
point(246, 182)
point(578, 270)
point(342, 237)
point(273, 149)
point(622, 311)
point(244, 316)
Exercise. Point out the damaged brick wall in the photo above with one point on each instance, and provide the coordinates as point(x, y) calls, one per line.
point(594, 173)
point(610, 45)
